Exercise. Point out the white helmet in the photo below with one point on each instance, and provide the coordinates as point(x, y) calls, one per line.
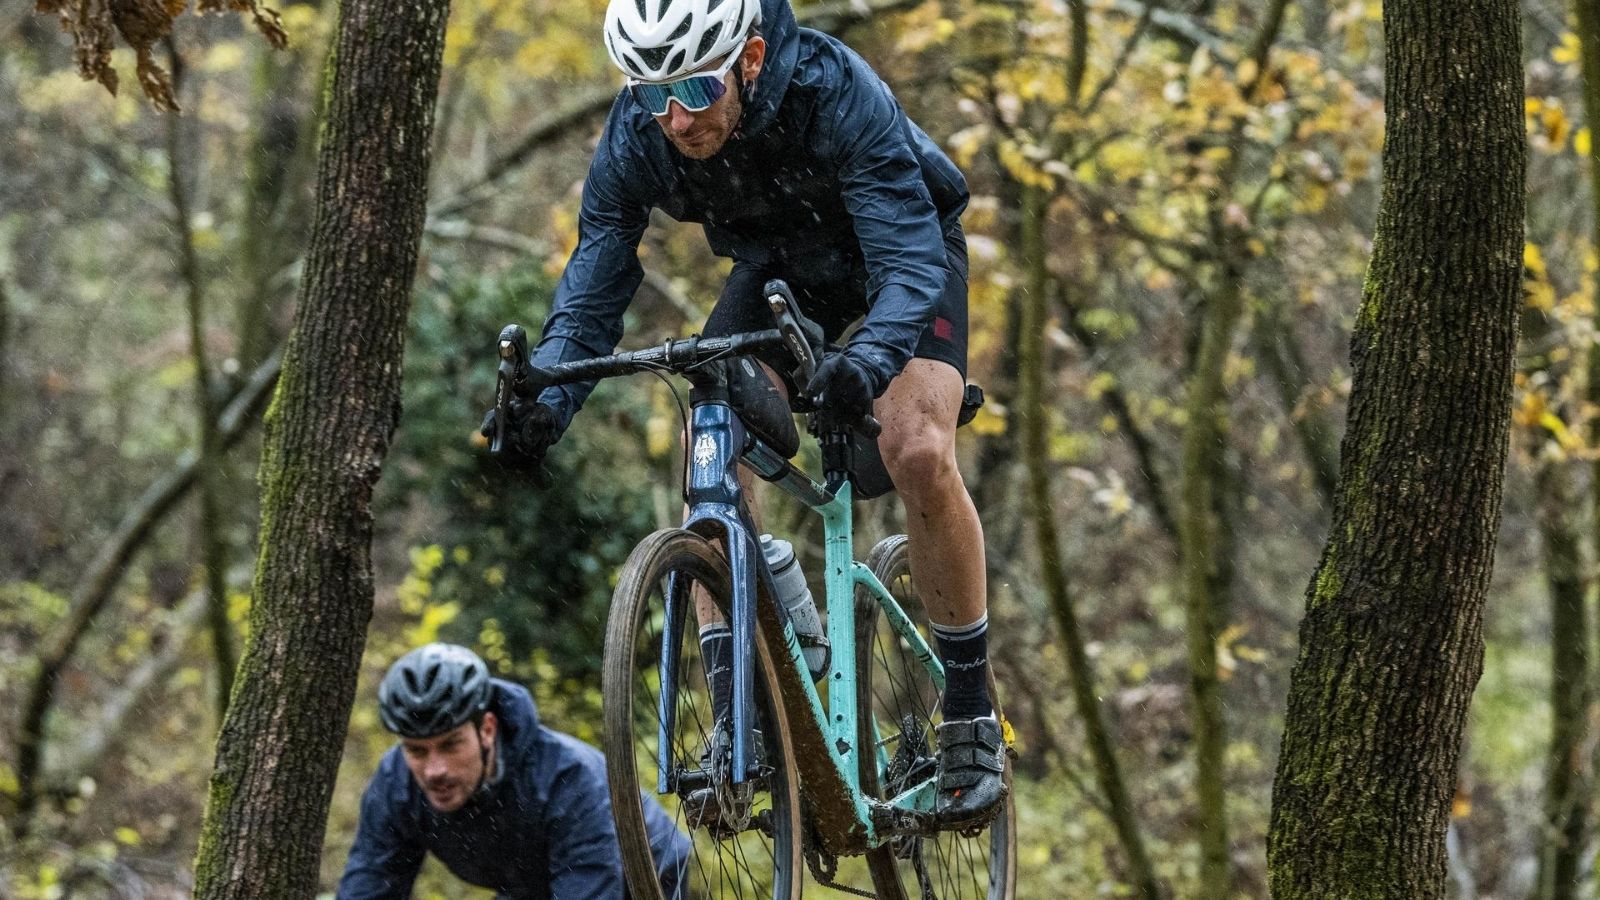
point(660, 40)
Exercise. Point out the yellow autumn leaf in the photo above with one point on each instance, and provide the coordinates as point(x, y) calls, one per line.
point(1556, 125)
point(1569, 51)
point(1539, 295)
point(1559, 430)
point(1533, 259)
point(1531, 410)
point(1582, 142)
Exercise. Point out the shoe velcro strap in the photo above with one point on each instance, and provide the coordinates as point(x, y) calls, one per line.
point(973, 758)
point(960, 779)
point(970, 731)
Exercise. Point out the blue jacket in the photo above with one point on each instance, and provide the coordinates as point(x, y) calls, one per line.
point(544, 830)
point(824, 173)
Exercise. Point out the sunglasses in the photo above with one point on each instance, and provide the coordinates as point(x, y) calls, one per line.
point(694, 93)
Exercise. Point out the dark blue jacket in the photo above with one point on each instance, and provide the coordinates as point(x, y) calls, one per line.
point(823, 174)
point(544, 830)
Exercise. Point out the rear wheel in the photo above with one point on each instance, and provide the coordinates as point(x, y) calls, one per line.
point(898, 706)
point(753, 850)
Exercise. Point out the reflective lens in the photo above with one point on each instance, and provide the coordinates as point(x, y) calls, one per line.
point(695, 93)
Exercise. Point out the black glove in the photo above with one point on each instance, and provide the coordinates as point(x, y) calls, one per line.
point(531, 431)
point(842, 386)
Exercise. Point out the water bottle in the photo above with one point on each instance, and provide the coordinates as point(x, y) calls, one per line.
point(790, 583)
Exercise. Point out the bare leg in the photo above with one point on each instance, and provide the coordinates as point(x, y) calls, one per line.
point(918, 413)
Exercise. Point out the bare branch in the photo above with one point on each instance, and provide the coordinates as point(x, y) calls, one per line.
point(105, 572)
point(63, 770)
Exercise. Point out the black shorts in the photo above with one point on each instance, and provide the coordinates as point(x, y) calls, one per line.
point(836, 303)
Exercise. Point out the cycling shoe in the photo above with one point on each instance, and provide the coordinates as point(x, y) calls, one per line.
point(971, 779)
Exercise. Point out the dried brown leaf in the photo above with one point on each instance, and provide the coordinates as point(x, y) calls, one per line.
point(95, 24)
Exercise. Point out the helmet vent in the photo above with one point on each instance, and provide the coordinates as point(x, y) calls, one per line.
point(639, 5)
point(707, 41)
point(680, 31)
point(677, 62)
point(653, 56)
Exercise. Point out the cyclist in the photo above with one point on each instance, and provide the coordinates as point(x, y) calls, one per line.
point(504, 802)
point(797, 160)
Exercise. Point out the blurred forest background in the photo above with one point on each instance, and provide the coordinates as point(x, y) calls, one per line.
point(1137, 172)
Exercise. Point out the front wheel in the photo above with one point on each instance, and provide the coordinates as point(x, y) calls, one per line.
point(898, 705)
point(752, 851)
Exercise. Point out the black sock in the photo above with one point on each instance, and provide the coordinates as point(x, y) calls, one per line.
point(964, 649)
point(716, 655)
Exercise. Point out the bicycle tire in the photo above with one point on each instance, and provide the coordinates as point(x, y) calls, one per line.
point(715, 868)
point(892, 685)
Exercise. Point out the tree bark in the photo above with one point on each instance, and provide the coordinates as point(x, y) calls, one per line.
point(327, 434)
point(1036, 443)
point(105, 572)
point(1391, 645)
point(213, 546)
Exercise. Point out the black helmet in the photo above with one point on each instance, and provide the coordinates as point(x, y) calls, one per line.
point(433, 689)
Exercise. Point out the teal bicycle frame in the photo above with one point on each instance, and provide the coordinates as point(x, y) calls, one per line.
point(717, 510)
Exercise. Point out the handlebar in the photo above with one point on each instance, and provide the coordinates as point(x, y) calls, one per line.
point(518, 377)
point(680, 356)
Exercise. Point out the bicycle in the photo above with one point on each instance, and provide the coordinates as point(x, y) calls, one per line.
point(797, 783)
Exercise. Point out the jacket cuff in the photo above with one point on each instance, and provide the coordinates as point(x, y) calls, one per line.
point(881, 367)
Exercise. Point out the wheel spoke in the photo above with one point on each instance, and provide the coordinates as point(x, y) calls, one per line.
point(899, 694)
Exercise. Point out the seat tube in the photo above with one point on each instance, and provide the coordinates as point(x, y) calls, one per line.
point(838, 557)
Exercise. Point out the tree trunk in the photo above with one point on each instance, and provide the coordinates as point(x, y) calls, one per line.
point(213, 546)
point(1566, 804)
point(1203, 564)
point(1036, 443)
point(329, 428)
point(1391, 646)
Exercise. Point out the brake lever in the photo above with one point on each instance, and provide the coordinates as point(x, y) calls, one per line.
point(782, 303)
point(513, 371)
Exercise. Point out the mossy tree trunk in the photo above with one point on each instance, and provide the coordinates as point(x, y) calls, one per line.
point(327, 433)
point(1391, 645)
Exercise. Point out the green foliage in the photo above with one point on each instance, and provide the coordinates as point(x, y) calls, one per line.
point(538, 563)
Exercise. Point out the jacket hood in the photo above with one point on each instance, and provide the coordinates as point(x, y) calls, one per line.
point(519, 718)
point(782, 33)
